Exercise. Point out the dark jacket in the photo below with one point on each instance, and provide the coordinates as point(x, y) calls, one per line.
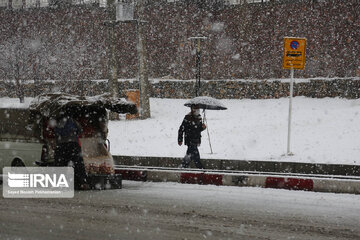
point(67, 130)
point(192, 127)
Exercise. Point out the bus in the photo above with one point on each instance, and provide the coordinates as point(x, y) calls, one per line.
point(27, 137)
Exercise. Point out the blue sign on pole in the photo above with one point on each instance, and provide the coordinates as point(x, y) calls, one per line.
point(294, 44)
point(294, 53)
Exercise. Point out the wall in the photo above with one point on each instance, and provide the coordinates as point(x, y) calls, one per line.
point(244, 41)
point(221, 89)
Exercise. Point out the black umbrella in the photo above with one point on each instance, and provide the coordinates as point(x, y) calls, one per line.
point(205, 102)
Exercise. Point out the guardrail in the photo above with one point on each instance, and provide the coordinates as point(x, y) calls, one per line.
point(316, 183)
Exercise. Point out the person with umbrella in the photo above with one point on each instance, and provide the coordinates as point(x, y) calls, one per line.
point(191, 126)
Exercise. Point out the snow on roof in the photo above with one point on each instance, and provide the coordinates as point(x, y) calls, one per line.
point(53, 103)
point(14, 103)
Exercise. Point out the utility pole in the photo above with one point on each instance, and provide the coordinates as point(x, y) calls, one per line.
point(142, 65)
point(123, 11)
point(112, 71)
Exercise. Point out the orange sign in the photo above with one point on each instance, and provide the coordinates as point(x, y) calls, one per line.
point(294, 53)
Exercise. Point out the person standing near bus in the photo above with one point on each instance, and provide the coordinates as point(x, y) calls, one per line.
point(68, 149)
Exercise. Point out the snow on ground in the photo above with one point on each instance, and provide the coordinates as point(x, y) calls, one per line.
point(148, 210)
point(323, 131)
point(279, 201)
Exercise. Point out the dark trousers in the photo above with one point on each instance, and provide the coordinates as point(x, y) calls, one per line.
point(192, 154)
point(70, 153)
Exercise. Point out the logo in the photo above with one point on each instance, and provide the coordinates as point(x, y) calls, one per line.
point(18, 180)
point(38, 182)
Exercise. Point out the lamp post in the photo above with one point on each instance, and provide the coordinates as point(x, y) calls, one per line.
point(112, 71)
point(198, 63)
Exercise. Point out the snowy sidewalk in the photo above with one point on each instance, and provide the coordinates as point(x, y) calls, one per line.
point(324, 131)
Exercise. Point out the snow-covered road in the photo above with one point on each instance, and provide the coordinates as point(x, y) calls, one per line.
point(180, 211)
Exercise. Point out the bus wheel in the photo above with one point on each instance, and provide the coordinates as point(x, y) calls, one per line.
point(17, 163)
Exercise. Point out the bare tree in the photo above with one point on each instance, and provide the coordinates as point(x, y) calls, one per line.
point(37, 62)
point(21, 59)
point(13, 59)
point(69, 62)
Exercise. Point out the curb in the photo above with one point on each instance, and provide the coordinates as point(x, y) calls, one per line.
point(315, 184)
point(244, 165)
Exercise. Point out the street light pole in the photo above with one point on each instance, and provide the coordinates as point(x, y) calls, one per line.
point(113, 86)
point(123, 11)
point(198, 64)
point(112, 71)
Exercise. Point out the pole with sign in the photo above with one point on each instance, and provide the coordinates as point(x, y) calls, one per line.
point(294, 58)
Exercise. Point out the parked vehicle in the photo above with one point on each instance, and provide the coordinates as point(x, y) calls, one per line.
point(27, 135)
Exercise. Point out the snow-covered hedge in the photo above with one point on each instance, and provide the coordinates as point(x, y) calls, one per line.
point(221, 89)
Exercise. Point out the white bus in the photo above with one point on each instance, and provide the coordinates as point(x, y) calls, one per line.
point(27, 135)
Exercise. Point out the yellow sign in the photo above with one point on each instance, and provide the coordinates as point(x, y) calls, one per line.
point(294, 53)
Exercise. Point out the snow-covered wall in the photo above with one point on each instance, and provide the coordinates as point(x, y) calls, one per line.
point(222, 89)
